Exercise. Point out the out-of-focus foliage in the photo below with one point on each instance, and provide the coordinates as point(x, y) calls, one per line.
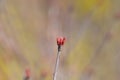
point(28, 31)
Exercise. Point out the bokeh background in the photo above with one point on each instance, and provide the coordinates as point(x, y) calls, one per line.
point(28, 31)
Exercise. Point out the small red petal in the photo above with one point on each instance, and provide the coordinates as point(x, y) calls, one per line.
point(27, 71)
point(60, 40)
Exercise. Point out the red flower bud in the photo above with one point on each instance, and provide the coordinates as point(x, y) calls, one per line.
point(27, 71)
point(60, 41)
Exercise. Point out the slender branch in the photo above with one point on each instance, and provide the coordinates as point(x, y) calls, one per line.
point(56, 65)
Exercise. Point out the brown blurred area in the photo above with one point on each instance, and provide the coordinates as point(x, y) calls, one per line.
point(28, 32)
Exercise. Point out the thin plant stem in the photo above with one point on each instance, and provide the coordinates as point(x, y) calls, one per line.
point(56, 65)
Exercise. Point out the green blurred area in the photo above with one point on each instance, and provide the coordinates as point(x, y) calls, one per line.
point(28, 31)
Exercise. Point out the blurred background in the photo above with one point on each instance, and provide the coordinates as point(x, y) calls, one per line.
point(28, 31)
